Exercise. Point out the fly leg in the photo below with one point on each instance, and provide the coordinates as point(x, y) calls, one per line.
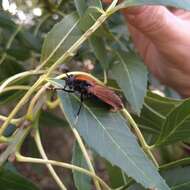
point(64, 89)
point(81, 102)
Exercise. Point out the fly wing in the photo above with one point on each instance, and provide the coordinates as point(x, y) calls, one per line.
point(106, 95)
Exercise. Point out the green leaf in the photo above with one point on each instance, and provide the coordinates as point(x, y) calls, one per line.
point(177, 178)
point(115, 175)
point(11, 181)
point(81, 180)
point(61, 38)
point(89, 18)
point(19, 53)
point(29, 40)
point(161, 105)
point(131, 75)
point(81, 6)
point(183, 4)
point(96, 3)
point(99, 49)
point(8, 97)
point(176, 125)
point(154, 112)
point(9, 68)
point(6, 22)
point(108, 134)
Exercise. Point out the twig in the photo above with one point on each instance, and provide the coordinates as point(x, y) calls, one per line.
point(140, 136)
point(44, 156)
point(21, 158)
point(83, 149)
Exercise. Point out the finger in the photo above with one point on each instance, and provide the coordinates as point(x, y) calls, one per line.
point(157, 23)
point(141, 42)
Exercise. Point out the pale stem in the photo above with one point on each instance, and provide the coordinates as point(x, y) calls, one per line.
point(17, 77)
point(19, 105)
point(13, 121)
point(34, 100)
point(140, 136)
point(21, 158)
point(105, 77)
point(85, 154)
point(44, 156)
point(16, 87)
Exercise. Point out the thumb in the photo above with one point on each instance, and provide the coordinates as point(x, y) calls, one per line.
point(155, 22)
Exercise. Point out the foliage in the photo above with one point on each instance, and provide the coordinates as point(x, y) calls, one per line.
point(33, 57)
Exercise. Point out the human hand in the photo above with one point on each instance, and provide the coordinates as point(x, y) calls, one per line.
point(162, 38)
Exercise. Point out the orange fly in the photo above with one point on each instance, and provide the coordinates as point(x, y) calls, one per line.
point(87, 87)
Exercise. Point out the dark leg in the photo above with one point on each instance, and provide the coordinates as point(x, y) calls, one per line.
point(64, 89)
point(56, 88)
point(81, 102)
point(71, 91)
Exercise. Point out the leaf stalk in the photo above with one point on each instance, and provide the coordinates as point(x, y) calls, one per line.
point(143, 143)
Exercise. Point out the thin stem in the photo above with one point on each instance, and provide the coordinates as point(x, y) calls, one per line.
point(20, 104)
point(105, 77)
point(44, 156)
point(83, 149)
point(13, 121)
point(5, 139)
point(152, 147)
point(140, 136)
point(15, 142)
point(16, 87)
point(184, 161)
point(34, 100)
point(21, 158)
point(18, 76)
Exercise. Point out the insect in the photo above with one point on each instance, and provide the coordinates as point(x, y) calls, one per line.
point(88, 87)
